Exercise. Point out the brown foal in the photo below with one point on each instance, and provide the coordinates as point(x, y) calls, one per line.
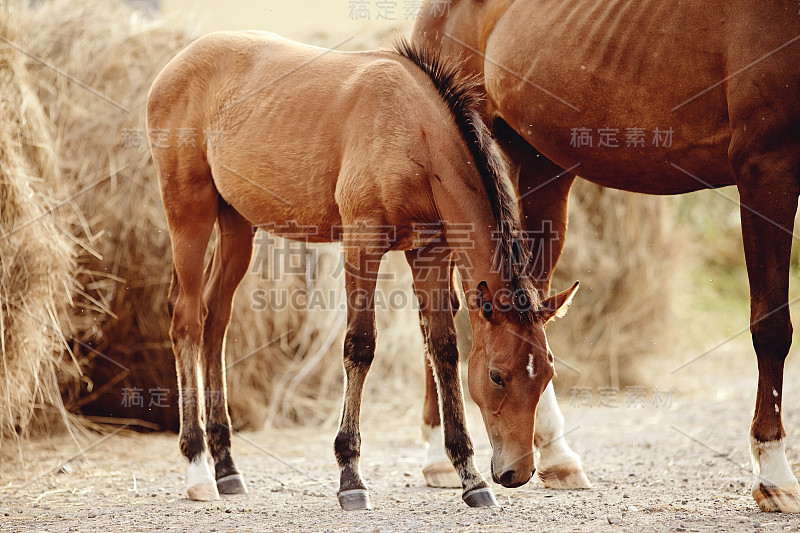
point(348, 144)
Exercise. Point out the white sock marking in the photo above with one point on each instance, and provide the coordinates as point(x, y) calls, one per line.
point(434, 435)
point(549, 433)
point(199, 472)
point(770, 465)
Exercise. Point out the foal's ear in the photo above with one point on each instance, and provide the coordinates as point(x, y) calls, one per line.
point(556, 306)
point(485, 300)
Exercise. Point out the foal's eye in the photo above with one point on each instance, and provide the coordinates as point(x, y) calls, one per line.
point(496, 378)
point(487, 309)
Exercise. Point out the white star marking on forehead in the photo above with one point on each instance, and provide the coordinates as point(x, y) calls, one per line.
point(529, 368)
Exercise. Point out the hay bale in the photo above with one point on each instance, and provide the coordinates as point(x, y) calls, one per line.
point(36, 255)
point(91, 65)
point(623, 248)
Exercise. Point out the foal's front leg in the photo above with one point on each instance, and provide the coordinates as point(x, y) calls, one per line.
point(359, 350)
point(437, 468)
point(432, 286)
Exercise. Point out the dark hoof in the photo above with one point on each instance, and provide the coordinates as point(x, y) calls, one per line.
point(355, 500)
point(483, 497)
point(233, 484)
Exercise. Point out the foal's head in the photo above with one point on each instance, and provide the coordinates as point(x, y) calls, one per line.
point(509, 368)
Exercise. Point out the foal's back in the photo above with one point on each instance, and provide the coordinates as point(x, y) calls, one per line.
point(300, 132)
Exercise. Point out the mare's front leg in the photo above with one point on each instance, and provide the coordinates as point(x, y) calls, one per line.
point(544, 191)
point(359, 349)
point(765, 156)
point(431, 269)
point(769, 198)
point(556, 464)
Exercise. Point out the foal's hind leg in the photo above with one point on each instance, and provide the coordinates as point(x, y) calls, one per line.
point(191, 218)
point(769, 191)
point(432, 286)
point(228, 265)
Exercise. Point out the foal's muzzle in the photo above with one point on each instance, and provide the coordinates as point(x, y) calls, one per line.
point(511, 478)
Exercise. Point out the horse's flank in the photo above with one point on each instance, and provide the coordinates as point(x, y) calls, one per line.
point(627, 67)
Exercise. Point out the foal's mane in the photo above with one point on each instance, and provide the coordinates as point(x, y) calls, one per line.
point(462, 96)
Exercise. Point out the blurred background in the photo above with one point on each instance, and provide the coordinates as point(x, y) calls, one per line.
point(85, 256)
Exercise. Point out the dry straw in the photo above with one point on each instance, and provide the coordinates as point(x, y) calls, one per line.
point(623, 248)
point(36, 254)
point(75, 77)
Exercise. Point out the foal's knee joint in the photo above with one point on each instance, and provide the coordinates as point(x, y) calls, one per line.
point(346, 446)
point(359, 349)
point(219, 435)
point(187, 323)
point(459, 448)
point(444, 347)
point(772, 336)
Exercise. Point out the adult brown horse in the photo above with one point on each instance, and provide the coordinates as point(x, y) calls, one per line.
point(382, 151)
point(654, 97)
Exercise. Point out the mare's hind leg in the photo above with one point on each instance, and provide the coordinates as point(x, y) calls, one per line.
point(191, 219)
point(431, 271)
point(437, 468)
point(359, 350)
point(227, 268)
point(768, 188)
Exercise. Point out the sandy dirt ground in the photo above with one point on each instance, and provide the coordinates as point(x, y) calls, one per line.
point(678, 467)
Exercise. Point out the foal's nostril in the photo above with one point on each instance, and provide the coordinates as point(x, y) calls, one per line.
point(507, 477)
